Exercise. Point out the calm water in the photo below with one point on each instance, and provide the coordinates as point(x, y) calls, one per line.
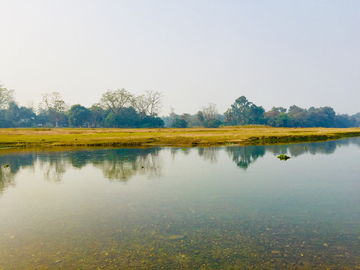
point(171, 208)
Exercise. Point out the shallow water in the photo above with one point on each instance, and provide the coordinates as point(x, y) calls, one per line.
point(169, 208)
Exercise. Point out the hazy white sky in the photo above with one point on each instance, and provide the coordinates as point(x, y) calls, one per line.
point(276, 53)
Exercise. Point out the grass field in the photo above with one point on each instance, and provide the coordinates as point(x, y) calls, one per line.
point(167, 136)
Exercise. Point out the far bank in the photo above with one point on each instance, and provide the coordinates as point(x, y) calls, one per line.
point(238, 135)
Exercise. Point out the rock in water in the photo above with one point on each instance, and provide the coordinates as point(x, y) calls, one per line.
point(176, 237)
point(283, 157)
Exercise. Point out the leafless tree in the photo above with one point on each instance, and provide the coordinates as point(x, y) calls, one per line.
point(141, 105)
point(6, 96)
point(172, 114)
point(154, 102)
point(54, 105)
point(115, 100)
point(210, 112)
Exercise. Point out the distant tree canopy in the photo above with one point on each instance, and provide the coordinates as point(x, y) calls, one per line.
point(244, 112)
point(79, 116)
point(179, 123)
point(53, 106)
point(117, 108)
point(6, 96)
point(312, 117)
point(15, 116)
point(121, 109)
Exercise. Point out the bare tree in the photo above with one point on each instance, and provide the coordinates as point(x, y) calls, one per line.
point(54, 105)
point(6, 96)
point(116, 100)
point(141, 105)
point(172, 114)
point(154, 102)
point(210, 113)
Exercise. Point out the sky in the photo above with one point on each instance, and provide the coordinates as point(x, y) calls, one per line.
point(196, 52)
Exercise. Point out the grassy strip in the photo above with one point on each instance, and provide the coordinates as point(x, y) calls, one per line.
point(169, 136)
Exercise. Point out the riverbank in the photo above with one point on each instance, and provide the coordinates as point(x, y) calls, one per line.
point(247, 135)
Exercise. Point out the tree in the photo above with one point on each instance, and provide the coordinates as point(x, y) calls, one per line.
point(200, 117)
point(152, 122)
point(244, 112)
point(256, 114)
point(213, 123)
point(116, 100)
point(13, 113)
point(141, 105)
point(6, 96)
point(79, 115)
point(54, 105)
point(210, 112)
point(283, 120)
point(179, 123)
point(172, 114)
point(97, 115)
point(154, 102)
point(240, 109)
point(127, 117)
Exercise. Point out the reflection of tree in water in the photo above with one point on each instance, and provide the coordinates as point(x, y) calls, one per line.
point(7, 178)
point(297, 149)
point(15, 162)
point(123, 164)
point(244, 156)
point(53, 164)
point(209, 153)
point(116, 164)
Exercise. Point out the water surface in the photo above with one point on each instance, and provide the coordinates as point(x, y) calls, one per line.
point(169, 208)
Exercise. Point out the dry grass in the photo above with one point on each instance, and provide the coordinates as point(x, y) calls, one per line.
point(168, 136)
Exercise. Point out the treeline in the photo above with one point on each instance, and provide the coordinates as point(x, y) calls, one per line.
point(244, 112)
point(118, 108)
point(121, 109)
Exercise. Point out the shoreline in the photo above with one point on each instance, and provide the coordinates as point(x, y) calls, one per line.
point(190, 137)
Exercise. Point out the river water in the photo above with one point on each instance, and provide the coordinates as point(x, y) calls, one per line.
point(182, 208)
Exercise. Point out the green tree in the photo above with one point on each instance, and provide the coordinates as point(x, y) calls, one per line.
point(283, 120)
point(152, 122)
point(97, 115)
point(240, 109)
point(213, 123)
point(256, 114)
point(244, 112)
point(126, 117)
point(179, 123)
point(79, 115)
point(200, 117)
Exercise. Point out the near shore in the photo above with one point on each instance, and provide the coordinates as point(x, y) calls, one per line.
point(240, 135)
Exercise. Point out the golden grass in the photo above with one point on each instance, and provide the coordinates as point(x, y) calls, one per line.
point(168, 136)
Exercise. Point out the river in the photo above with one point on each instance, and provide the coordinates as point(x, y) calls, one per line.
point(225, 207)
